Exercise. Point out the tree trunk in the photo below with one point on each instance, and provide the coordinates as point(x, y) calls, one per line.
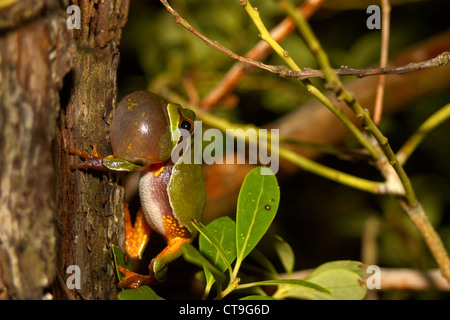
point(35, 53)
point(43, 229)
point(90, 204)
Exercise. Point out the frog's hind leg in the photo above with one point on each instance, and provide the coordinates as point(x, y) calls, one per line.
point(136, 239)
point(137, 235)
point(176, 236)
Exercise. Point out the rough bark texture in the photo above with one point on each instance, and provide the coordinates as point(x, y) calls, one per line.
point(90, 205)
point(43, 228)
point(35, 54)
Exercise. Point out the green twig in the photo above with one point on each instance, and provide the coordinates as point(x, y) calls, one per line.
point(304, 163)
point(411, 205)
point(431, 237)
point(334, 83)
point(413, 142)
point(266, 36)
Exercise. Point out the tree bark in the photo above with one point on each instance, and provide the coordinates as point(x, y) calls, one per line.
point(90, 204)
point(52, 217)
point(35, 53)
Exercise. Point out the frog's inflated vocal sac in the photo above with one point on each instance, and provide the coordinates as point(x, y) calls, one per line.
point(146, 130)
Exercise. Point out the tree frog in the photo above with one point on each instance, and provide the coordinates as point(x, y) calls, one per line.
point(144, 133)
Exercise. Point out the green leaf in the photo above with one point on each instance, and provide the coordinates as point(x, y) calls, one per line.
point(217, 242)
point(285, 253)
point(222, 231)
point(343, 285)
point(192, 255)
point(210, 280)
point(354, 266)
point(119, 260)
point(118, 164)
point(264, 262)
point(255, 297)
point(142, 293)
point(257, 205)
point(291, 282)
point(342, 279)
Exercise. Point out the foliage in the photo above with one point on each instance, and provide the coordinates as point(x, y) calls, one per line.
point(224, 244)
point(320, 219)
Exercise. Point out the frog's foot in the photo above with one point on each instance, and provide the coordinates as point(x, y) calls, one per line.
point(134, 280)
point(136, 237)
point(92, 161)
point(173, 250)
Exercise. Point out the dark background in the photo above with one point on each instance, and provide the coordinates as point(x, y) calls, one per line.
point(321, 220)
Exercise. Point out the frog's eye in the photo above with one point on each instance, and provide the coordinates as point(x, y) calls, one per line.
point(186, 124)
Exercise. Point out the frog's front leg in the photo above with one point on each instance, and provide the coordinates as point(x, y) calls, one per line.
point(92, 161)
point(137, 234)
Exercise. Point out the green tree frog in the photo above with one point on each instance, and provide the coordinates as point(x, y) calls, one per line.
point(144, 133)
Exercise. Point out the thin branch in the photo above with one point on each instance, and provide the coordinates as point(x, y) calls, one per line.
point(259, 52)
point(413, 142)
point(303, 162)
point(438, 61)
point(265, 35)
point(306, 73)
point(215, 44)
point(385, 30)
point(431, 237)
point(312, 89)
point(333, 82)
point(410, 203)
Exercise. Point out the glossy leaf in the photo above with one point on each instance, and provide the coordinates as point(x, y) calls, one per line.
point(295, 283)
point(255, 297)
point(257, 205)
point(264, 262)
point(343, 280)
point(119, 260)
point(285, 253)
point(118, 164)
point(343, 285)
point(217, 243)
point(142, 293)
point(354, 266)
point(193, 256)
point(222, 231)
